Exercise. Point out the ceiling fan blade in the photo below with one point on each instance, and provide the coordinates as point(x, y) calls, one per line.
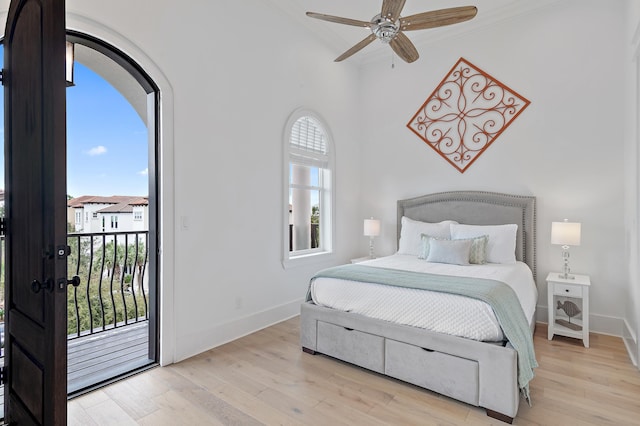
point(356, 48)
point(437, 18)
point(391, 9)
point(404, 48)
point(339, 20)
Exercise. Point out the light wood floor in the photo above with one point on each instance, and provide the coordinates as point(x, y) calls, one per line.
point(265, 378)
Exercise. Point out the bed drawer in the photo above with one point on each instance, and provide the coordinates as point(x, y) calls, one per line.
point(363, 349)
point(446, 374)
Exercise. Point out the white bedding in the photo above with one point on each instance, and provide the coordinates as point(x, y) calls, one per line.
point(447, 313)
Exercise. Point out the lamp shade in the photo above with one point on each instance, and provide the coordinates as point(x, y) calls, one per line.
point(565, 233)
point(371, 227)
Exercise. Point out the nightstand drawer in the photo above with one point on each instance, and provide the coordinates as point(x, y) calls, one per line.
point(569, 290)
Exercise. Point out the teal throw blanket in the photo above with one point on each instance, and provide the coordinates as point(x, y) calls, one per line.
point(498, 295)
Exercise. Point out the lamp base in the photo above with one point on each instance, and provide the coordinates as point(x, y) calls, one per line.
point(566, 276)
point(565, 269)
point(371, 254)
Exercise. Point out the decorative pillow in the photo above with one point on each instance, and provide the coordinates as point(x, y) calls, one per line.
point(455, 252)
point(501, 245)
point(411, 231)
point(477, 254)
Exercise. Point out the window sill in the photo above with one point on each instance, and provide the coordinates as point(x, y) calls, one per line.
point(308, 259)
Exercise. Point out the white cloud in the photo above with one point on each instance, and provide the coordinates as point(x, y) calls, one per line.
point(97, 150)
point(144, 172)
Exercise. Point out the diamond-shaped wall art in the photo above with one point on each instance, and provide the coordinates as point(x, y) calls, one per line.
point(465, 114)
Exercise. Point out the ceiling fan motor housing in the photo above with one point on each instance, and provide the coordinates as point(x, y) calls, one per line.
point(384, 29)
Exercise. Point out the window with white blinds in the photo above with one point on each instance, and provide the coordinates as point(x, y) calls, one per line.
point(308, 207)
point(308, 143)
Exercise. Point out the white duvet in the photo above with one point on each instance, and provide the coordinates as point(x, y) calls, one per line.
point(440, 312)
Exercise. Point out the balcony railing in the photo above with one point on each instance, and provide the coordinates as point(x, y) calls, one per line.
point(114, 288)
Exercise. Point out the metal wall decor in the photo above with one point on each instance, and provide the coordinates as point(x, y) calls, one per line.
point(465, 114)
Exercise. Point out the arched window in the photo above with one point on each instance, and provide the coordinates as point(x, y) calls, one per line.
point(308, 212)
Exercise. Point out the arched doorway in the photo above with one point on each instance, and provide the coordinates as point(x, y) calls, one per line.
point(113, 216)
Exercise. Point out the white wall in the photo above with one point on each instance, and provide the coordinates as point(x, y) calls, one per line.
point(567, 148)
point(632, 164)
point(236, 70)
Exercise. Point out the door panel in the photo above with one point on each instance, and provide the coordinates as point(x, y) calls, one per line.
point(35, 204)
point(27, 76)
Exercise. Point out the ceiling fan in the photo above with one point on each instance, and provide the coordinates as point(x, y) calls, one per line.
point(388, 26)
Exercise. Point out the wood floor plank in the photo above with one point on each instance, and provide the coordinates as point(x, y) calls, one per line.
point(109, 413)
point(265, 378)
point(262, 411)
point(136, 404)
point(175, 409)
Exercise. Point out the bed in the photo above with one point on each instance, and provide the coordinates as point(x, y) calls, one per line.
point(482, 371)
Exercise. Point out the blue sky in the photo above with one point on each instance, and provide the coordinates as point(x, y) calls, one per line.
point(107, 147)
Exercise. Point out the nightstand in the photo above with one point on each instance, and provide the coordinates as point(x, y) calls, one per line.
point(561, 320)
point(361, 259)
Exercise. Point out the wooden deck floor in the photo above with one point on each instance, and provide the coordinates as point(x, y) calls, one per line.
point(99, 357)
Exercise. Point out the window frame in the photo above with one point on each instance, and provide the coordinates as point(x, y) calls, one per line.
point(326, 182)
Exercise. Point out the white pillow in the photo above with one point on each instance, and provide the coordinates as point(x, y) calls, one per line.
point(501, 247)
point(477, 254)
point(412, 230)
point(455, 252)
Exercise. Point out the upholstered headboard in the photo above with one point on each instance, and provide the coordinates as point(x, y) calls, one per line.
point(479, 208)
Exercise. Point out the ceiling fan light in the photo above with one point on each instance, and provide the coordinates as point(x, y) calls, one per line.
point(384, 29)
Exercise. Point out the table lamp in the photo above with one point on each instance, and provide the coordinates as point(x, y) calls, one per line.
point(565, 234)
point(371, 230)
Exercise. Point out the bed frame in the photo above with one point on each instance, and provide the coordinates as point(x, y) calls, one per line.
point(478, 373)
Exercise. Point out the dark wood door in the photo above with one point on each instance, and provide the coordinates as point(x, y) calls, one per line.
point(35, 185)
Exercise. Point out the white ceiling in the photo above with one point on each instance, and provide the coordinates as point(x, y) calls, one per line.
point(341, 37)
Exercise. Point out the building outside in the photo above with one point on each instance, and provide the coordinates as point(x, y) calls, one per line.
point(117, 213)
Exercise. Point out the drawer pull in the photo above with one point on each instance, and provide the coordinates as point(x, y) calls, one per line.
point(428, 350)
point(566, 290)
point(348, 329)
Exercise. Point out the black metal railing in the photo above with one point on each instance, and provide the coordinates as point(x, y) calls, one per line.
point(113, 289)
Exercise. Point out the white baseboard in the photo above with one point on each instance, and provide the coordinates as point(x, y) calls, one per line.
point(195, 343)
point(601, 324)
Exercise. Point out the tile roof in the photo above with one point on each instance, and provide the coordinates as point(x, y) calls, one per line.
point(118, 208)
point(115, 200)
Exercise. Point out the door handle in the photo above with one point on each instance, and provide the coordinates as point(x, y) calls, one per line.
point(36, 285)
point(74, 281)
point(63, 283)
